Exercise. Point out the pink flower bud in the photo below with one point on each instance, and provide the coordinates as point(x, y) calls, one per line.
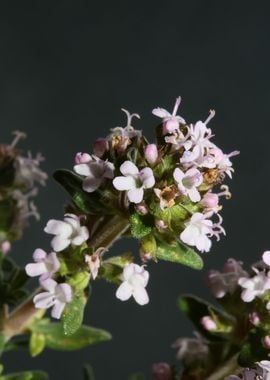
point(266, 342)
point(82, 158)
point(100, 147)
point(232, 266)
point(151, 153)
point(254, 318)
point(161, 371)
point(208, 323)
point(5, 247)
point(161, 225)
point(141, 209)
point(210, 200)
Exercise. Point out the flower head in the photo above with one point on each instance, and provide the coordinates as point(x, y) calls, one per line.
point(171, 121)
point(254, 286)
point(95, 171)
point(43, 264)
point(66, 232)
point(55, 296)
point(134, 181)
point(135, 279)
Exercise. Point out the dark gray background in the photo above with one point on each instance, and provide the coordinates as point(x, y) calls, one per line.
point(66, 69)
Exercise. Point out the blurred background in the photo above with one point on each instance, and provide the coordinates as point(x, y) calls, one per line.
point(66, 69)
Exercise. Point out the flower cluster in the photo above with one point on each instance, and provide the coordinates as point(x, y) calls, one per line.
point(160, 193)
point(19, 177)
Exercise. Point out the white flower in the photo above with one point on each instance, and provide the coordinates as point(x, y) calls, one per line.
point(28, 170)
point(188, 183)
point(95, 171)
point(134, 181)
point(56, 296)
point(43, 264)
point(199, 229)
point(171, 121)
point(135, 279)
point(66, 232)
point(254, 287)
point(265, 366)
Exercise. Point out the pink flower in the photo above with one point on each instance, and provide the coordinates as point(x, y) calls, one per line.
point(188, 182)
point(135, 279)
point(255, 286)
point(161, 371)
point(66, 232)
point(95, 171)
point(199, 229)
point(100, 147)
point(43, 264)
point(134, 181)
point(82, 158)
point(208, 323)
point(56, 296)
point(171, 121)
point(5, 247)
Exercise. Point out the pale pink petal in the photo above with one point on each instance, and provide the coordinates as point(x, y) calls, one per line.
point(49, 284)
point(83, 169)
point(147, 178)
point(266, 257)
point(129, 271)
point(194, 195)
point(161, 112)
point(64, 292)
point(247, 295)
point(58, 227)
point(109, 170)
point(190, 235)
point(36, 269)
point(39, 255)
point(57, 309)
point(124, 291)
point(124, 183)
point(60, 243)
point(53, 262)
point(43, 300)
point(129, 169)
point(91, 184)
point(135, 195)
point(178, 175)
point(140, 295)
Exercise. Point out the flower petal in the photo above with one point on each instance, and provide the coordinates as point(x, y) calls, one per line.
point(58, 227)
point(135, 195)
point(91, 184)
point(43, 300)
point(129, 169)
point(60, 243)
point(124, 183)
point(147, 178)
point(140, 295)
point(35, 269)
point(161, 112)
point(58, 309)
point(39, 255)
point(83, 169)
point(124, 291)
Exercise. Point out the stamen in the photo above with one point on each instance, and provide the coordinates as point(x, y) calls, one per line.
point(210, 117)
point(176, 106)
point(130, 116)
point(18, 136)
point(225, 192)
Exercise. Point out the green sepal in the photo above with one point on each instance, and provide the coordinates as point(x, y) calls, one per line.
point(195, 309)
point(36, 344)
point(138, 228)
point(72, 316)
point(148, 246)
point(57, 340)
point(86, 202)
point(28, 375)
point(79, 281)
point(179, 253)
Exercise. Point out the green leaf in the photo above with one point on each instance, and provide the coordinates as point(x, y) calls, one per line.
point(72, 316)
point(86, 202)
point(36, 344)
point(195, 309)
point(252, 350)
point(57, 340)
point(88, 373)
point(29, 375)
point(137, 227)
point(179, 253)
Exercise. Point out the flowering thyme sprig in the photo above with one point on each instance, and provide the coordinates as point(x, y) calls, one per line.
point(161, 193)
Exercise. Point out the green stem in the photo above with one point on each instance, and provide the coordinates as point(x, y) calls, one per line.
point(231, 367)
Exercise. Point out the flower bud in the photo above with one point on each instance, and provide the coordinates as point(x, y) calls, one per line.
point(266, 342)
point(141, 209)
point(208, 323)
point(100, 147)
point(148, 247)
point(80, 280)
point(170, 126)
point(254, 318)
point(151, 153)
point(82, 158)
point(5, 247)
point(161, 226)
point(210, 200)
point(161, 371)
